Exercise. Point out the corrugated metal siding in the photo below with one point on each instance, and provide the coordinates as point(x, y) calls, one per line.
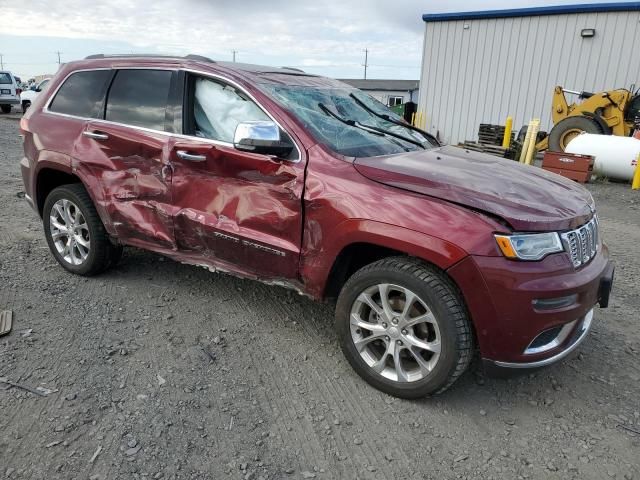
point(509, 66)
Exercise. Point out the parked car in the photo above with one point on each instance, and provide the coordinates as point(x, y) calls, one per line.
point(9, 91)
point(27, 96)
point(433, 252)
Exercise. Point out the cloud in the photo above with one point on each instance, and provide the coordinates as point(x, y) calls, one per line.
point(309, 33)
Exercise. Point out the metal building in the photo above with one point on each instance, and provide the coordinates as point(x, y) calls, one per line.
point(480, 67)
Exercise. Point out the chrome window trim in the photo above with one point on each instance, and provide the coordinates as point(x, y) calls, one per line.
point(46, 109)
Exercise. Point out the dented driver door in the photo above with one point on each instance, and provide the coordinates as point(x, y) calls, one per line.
point(243, 211)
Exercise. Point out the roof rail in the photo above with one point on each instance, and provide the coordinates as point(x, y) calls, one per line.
point(294, 69)
point(199, 58)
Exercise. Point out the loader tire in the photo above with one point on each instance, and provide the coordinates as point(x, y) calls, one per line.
point(566, 130)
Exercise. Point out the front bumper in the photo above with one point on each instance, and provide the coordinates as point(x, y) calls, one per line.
point(529, 315)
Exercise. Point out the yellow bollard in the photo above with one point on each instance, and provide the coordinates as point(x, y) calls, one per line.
point(531, 150)
point(506, 141)
point(635, 184)
point(413, 119)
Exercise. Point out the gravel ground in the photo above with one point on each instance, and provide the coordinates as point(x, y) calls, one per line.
point(163, 370)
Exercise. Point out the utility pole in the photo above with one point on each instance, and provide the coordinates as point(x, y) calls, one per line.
point(1, 63)
point(234, 54)
point(366, 62)
point(58, 57)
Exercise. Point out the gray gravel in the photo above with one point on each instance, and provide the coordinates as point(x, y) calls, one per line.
point(165, 370)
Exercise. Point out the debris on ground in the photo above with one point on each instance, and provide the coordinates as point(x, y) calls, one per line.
point(41, 391)
point(6, 322)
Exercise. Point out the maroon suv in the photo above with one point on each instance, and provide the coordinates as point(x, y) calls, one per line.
point(432, 251)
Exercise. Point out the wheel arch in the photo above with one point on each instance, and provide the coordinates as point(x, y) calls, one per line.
point(360, 242)
point(51, 175)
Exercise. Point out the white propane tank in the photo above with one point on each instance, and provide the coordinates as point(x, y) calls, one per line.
point(616, 157)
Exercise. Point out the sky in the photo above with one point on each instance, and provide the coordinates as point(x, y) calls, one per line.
point(326, 37)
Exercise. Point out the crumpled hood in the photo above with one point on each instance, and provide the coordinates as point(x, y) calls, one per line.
point(528, 198)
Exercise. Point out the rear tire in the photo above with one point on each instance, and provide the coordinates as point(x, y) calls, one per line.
point(567, 129)
point(6, 108)
point(408, 357)
point(75, 234)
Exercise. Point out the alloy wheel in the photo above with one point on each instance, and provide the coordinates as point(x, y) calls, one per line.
point(70, 232)
point(395, 332)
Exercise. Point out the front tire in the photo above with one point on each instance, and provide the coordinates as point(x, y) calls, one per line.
point(404, 328)
point(75, 234)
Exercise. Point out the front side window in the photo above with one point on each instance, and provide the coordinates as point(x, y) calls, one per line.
point(5, 78)
point(217, 108)
point(81, 94)
point(139, 97)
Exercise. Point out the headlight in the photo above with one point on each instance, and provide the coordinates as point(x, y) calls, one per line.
point(529, 246)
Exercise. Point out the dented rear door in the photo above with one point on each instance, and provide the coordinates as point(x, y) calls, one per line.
point(134, 180)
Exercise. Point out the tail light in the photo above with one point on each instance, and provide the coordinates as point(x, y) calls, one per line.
point(18, 91)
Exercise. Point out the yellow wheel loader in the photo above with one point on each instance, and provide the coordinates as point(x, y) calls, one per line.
point(607, 113)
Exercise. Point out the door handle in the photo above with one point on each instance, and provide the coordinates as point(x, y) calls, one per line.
point(190, 156)
point(96, 135)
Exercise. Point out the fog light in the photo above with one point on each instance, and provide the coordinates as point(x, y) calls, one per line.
point(554, 303)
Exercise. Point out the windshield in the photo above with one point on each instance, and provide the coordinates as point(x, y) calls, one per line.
point(324, 110)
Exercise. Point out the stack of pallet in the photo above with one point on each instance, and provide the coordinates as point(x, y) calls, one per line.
point(490, 139)
point(491, 134)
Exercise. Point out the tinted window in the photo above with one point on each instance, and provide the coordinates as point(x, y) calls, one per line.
point(139, 97)
point(81, 94)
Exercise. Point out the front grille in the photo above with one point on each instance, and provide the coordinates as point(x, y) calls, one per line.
point(582, 243)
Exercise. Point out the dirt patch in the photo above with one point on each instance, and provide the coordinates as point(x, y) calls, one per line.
point(164, 370)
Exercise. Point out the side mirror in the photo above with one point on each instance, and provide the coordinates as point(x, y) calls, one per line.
point(38, 89)
point(261, 136)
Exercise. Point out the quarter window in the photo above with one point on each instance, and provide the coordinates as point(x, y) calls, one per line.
point(81, 94)
point(218, 108)
point(139, 97)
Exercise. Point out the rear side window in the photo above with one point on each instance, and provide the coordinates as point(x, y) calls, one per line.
point(81, 94)
point(5, 78)
point(139, 97)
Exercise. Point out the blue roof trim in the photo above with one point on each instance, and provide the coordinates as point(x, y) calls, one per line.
point(533, 11)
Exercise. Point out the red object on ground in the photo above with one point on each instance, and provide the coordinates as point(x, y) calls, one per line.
point(569, 165)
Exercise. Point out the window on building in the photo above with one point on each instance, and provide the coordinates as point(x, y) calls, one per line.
point(139, 97)
point(81, 94)
point(393, 101)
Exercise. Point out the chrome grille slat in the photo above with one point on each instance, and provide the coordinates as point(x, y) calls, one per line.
point(582, 243)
